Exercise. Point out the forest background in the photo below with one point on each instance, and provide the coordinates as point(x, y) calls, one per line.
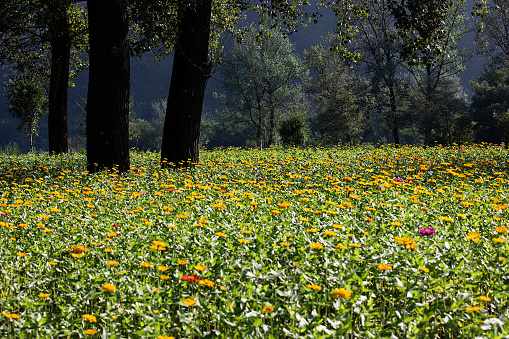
point(355, 116)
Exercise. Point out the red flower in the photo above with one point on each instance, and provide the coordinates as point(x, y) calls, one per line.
point(170, 190)
point(115, 226)
point(192, 277)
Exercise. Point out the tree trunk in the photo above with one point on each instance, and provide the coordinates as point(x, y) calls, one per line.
point(59, 82)
point(191, 70)
point(108, 86)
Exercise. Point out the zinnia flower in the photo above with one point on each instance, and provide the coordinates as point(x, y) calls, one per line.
point(192, 278)
point(316, 246)
point(483, 298)
point(268, 309)
point(89, 317)
point(90, 331)
point(109, 288)
point(341, 293)
point(428, 231)
point(189, 302)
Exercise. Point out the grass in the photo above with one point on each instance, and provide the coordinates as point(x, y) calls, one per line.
point(403, 242)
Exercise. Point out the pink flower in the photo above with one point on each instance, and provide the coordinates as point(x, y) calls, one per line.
point(429, 231)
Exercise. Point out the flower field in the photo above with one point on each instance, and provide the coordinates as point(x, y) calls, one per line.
point(403, 242)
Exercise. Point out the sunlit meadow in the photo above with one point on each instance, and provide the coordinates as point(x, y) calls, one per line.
point(403, 242)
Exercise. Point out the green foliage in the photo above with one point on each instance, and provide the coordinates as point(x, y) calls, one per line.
point(292, 130)
point(340, 97)
point(259, 81)
point(27, 102)
point(402, 242)
point(490, 105)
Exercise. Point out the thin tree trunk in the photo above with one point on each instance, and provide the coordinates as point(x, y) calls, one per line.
point(108, 86)
point(191, 70)
point(59, 82)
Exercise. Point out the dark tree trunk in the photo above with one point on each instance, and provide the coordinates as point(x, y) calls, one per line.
point(191, 70)
point(108, 86)
point(59, 82)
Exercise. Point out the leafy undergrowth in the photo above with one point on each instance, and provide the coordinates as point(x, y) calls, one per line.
point(357, 243)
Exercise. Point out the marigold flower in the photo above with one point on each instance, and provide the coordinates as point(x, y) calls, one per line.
point(44, 295)
point(109, 288)
point(163, 268)
point(501, 229)
point(165, 277)
point(221, 234)
point(404, 240)
point(499, 240)
point(341, 293)
point(354, 245)
point(424, 269)
point(284, 243)
point(243, 241)
point(200, 267)
point(21, 254)
point(78, 255)
point(112, 234)
point(329, 233)
point(89, 317)
point(396, 223)
point(52, 263)
point(90, 331)
point(145, 264)
point(112, 262)
point(341, 247)
point(182, 262)
point(311, 230)
point(164, 337)
point(316, 246)
point(189, 302)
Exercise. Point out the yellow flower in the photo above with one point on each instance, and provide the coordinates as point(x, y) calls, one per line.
point(112, 262)
point(200, 267)
point(206, 282)
point(341, 293)
point(21, 254)
point(182, 262)
point(89, 317)
point(284, 243)
point(314, 287)
point(243, 241)
point(311, 230)
point(221, 234)
point(163, 268)
point(396, 223)
point(164, 337)
point(275, 212)
point(11, 315)
point(404, 240)
point(189, 302)
point(52, 263)
point(316, 246)
point(474, 309)
point(284, 205)
point(109, 287)
point(112, 234)
point(424, 269)
point(482, 298)
point(329, 233)
point(145, 264)
point(501, 229)
point(165, 277)
point(268, 309)
point(341, 247)
point(447, 219)
point(44, 295)
point(384, 267)
point(354, 245)
point(78, 255)
point(499, 240)
point(90, 331)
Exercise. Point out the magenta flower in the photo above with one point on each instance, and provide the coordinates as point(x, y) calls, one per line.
point(429, 231)
point(399, 180)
